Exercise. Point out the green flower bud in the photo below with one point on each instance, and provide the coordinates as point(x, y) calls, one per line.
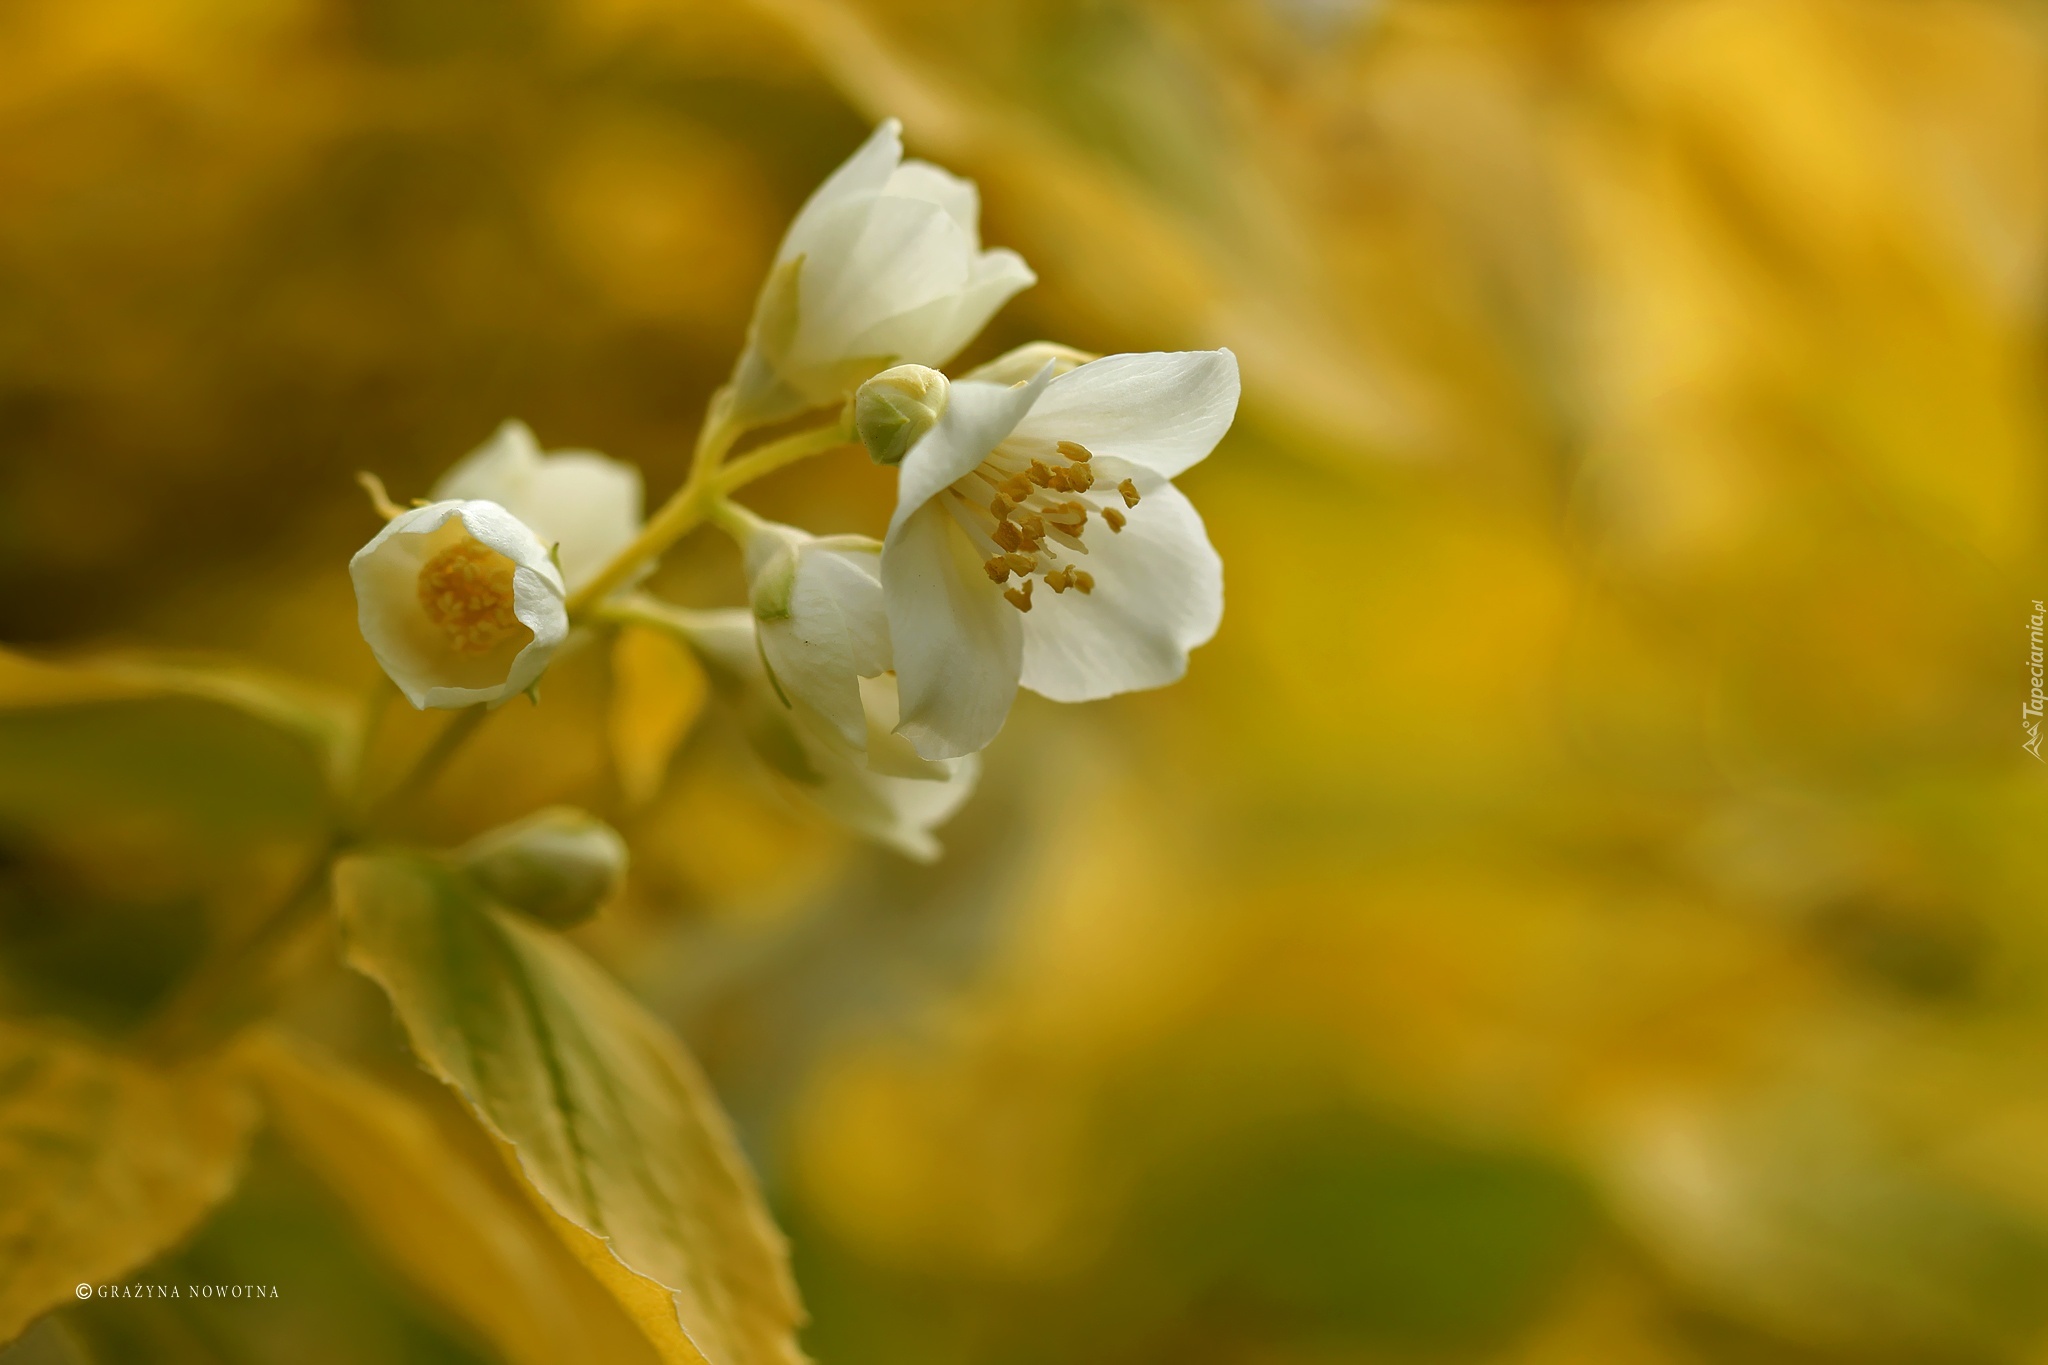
point(557, 865)
point(893, 411)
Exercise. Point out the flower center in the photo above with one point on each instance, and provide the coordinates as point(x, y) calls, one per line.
point(1028, 510)
point(466, 590)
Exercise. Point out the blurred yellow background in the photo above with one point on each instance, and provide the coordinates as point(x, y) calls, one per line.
point(1588, 903)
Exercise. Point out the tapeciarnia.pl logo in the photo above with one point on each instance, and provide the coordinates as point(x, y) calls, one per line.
point(2030, 713)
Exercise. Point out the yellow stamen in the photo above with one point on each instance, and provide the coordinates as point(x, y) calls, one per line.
point(1115, 518)
point(1083, 580)
point(379, 499)
point(997, 570)
point(1130, 492)
point(1075, 451)
point(1020, 598)
point(1081, 477)
point(1039, 473)
point(1006, 535)
point(466, 590)
point(1020, 563)
point(1057, 580)
point(999, 506)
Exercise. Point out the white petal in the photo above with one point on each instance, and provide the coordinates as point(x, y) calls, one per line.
point(888, 753)
point(499, 470)
point(1158, 594)
point(855, 566)
point(897, 810)
point(812, 650)
point(1164, 410)
point(957, 196)
point(976, 419)
point(874, 259)
point(958, 645)
point(863, 173)
point(586, 503)
point(897, 805)
point(935, 332)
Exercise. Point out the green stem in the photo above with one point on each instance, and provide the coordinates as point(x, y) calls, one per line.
point(219, 990)
point(211, 994)
point(709, 481)
point(765, 460)
point(427, 766)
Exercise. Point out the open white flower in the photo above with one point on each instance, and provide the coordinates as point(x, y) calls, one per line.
point(1062, 483)
point(880, 789)
point(817, 604)
point(460, 602)
point(882, 264)
point(585, 504)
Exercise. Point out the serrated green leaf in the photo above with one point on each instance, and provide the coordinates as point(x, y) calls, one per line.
point(104, 1163)
point(610, 1120)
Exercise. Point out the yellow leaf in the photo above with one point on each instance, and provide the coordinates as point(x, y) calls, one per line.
point(457, 1226)
point(104, 1163)
point(313, 717)
point(611, 1121)
point(658, 690)
point(651, 1307)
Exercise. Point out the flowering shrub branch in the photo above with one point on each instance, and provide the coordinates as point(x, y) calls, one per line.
point(1038, 541)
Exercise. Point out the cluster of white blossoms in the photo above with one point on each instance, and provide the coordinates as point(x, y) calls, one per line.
point(1037, 541)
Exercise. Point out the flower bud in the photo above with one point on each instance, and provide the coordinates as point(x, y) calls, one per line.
point(557, 866)
point(893, 411)
point(883, 265)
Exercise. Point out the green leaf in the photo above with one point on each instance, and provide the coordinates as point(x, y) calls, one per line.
point(104, 1163)
point(610, 1119)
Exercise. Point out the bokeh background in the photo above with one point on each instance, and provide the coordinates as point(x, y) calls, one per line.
point(1586, 906)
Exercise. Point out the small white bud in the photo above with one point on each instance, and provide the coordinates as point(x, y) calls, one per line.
point(557, 865)
point(893, 411)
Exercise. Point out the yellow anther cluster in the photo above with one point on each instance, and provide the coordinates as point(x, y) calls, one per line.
point(466, 590)
point(1029, 523)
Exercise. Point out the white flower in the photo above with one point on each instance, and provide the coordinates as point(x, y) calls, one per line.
point(460, 602)
point(817, 604)
point(586, 505)
point(881, 789)
point(883, 264)
point(1061, 483)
